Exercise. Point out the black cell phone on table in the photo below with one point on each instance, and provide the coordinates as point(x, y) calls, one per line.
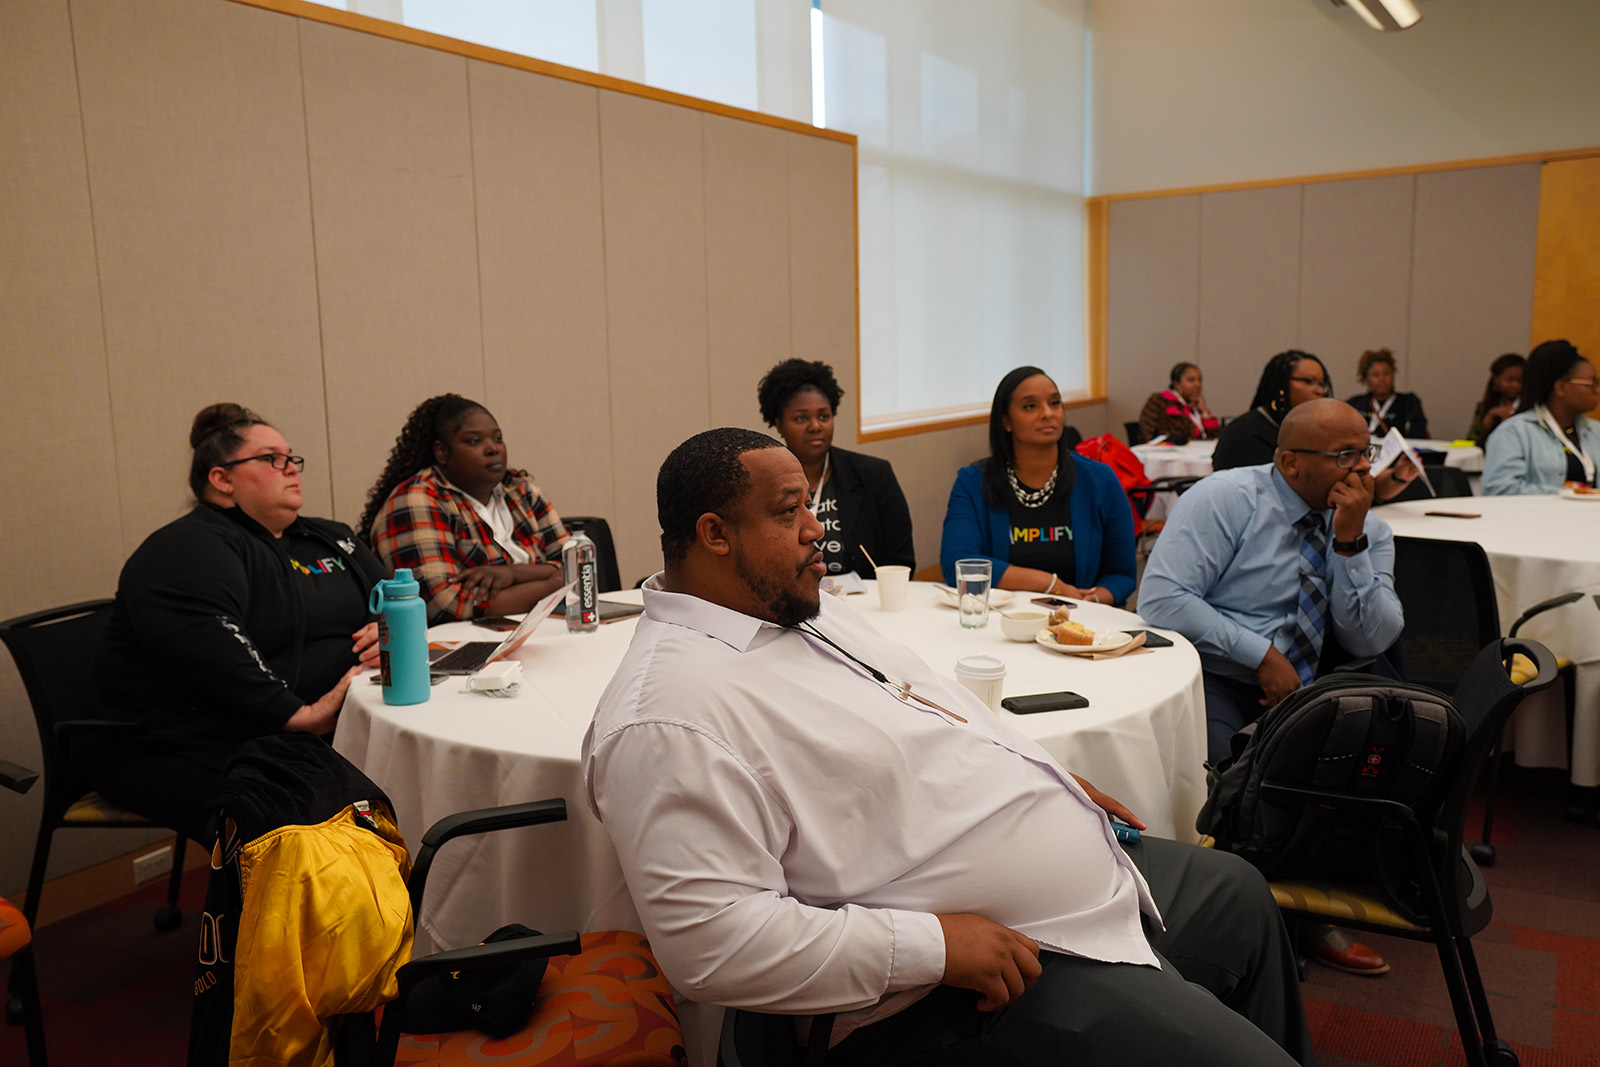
point(497, 622)
point(1151, 638)
point(1037, 702)
point(1051, 602)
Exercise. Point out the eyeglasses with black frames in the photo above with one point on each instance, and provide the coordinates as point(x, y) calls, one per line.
point(278, 460)
point(1346, 459)
point(1315, 383)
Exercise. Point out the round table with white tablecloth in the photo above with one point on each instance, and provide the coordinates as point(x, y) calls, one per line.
point(1538, 547)
point(1141, 739)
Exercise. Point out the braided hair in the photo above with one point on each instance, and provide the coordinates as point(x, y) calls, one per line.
point(1272, 393)
point(435, 419)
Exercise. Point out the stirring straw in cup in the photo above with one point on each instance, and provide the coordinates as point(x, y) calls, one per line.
point(870, 560)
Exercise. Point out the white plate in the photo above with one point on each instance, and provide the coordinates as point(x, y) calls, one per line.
point(1567, 493)
point(1105, 641)
point(998, 598)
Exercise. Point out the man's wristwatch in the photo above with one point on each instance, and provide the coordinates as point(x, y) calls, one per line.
point(1350, 548)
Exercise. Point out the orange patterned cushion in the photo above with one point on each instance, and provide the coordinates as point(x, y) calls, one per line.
point(608, 1006)
point(14, 936)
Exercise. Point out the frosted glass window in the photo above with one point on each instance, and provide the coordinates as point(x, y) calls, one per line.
point(970, 126)
point(705, 48)
point(559, 31)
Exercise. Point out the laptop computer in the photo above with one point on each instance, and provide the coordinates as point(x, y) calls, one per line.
point(473, 656)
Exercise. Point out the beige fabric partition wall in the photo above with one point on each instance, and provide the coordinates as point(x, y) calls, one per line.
point(1436, 266)
point(207, 200)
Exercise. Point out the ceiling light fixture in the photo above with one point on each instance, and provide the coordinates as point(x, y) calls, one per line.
point(1387, 15)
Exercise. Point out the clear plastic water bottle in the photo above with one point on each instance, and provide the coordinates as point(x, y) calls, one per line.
point(402, 638)
point(580, 565)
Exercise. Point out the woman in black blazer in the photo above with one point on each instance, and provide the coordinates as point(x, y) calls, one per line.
point(1384, 408)
point(855, 496)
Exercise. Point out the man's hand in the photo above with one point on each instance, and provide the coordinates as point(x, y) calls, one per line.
point(994, 960)
point(1393, 481)
point(318, 718)
point(1109, 804)
point(1350, 500)
point(482, 583)
point(366, 646)
point(1277, 676)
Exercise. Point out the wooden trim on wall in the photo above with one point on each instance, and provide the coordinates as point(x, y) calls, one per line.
point(394, 31)
point(954, 422)
point(1096, 314)
point(1353, 175)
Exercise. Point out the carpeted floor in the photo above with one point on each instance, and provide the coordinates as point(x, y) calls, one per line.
point(117, 992)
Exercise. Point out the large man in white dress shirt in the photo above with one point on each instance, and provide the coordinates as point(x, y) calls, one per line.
point(811, 820)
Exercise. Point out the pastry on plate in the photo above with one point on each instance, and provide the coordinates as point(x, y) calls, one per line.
point(1059, 616)
point(1072, 633)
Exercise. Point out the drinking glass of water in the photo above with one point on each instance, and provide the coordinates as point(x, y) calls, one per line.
point(972, 592)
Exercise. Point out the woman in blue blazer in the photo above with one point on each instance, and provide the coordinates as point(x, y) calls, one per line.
point(1049, 520)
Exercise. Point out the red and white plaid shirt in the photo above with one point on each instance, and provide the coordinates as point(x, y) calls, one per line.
point(430, 526)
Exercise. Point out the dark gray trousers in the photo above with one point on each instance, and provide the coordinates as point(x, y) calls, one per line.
point(1227, 993)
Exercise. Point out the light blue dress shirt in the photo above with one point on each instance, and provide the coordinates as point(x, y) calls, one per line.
point(1225, 573)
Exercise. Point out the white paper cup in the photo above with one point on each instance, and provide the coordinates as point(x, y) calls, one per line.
point(893, 580)
point(985, 676)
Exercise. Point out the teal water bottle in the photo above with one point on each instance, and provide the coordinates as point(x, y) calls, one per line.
point(402, 638)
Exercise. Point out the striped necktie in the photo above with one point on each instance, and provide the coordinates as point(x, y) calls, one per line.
point(1305, 631)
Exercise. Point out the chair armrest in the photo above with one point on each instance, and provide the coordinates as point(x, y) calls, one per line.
point(474, 957)
point(462, 959)
point(481, 821)
point(1541, 607)
point(1381, 805)
point(15, 778)
point(67, 727)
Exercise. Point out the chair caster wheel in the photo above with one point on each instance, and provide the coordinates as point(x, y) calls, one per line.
point(1499, 1054)
point(13, 1011)
point(1483, 854)
point(168, 918)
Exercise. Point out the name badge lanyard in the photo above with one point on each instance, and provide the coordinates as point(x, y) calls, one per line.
point(1583, 457)
point(1380, 415)
point(902, 690)
point(1194, 417)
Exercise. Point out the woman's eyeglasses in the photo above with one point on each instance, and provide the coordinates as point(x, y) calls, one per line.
point(1347, 458)
point(1315, 383)
point(278, 460)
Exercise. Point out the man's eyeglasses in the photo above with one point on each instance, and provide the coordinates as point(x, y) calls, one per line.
point(1315, 383)
point(1347, 458)
point(278, 460)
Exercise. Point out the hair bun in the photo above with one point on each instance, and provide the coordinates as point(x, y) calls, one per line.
point(219, 417)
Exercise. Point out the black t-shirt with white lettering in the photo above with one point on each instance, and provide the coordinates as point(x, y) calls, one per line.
point(335, 609)
point(835, 549)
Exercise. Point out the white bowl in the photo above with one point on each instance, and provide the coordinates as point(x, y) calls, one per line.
point(1023, 624)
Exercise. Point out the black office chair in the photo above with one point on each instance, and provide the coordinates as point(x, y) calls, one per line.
point(1446, 482)
point(1133, 432)
point(16, 945)
point(52, 650)
point(1447, 591)
point(599, 531)
point(754, 1039)
point(1454, 896)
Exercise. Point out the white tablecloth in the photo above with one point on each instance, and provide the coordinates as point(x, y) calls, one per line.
point(1538, 546)
point(1176, 461)
point(1141, 739)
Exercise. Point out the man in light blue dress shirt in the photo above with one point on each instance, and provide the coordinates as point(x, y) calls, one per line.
point(1236, 572)
point(1226, 571)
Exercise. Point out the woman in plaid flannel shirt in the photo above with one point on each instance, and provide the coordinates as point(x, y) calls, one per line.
point(476, 533)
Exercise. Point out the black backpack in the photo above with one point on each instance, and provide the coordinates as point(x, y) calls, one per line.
point(1354, 734)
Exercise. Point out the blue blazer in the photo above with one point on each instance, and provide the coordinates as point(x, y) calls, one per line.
point(1102, 528)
